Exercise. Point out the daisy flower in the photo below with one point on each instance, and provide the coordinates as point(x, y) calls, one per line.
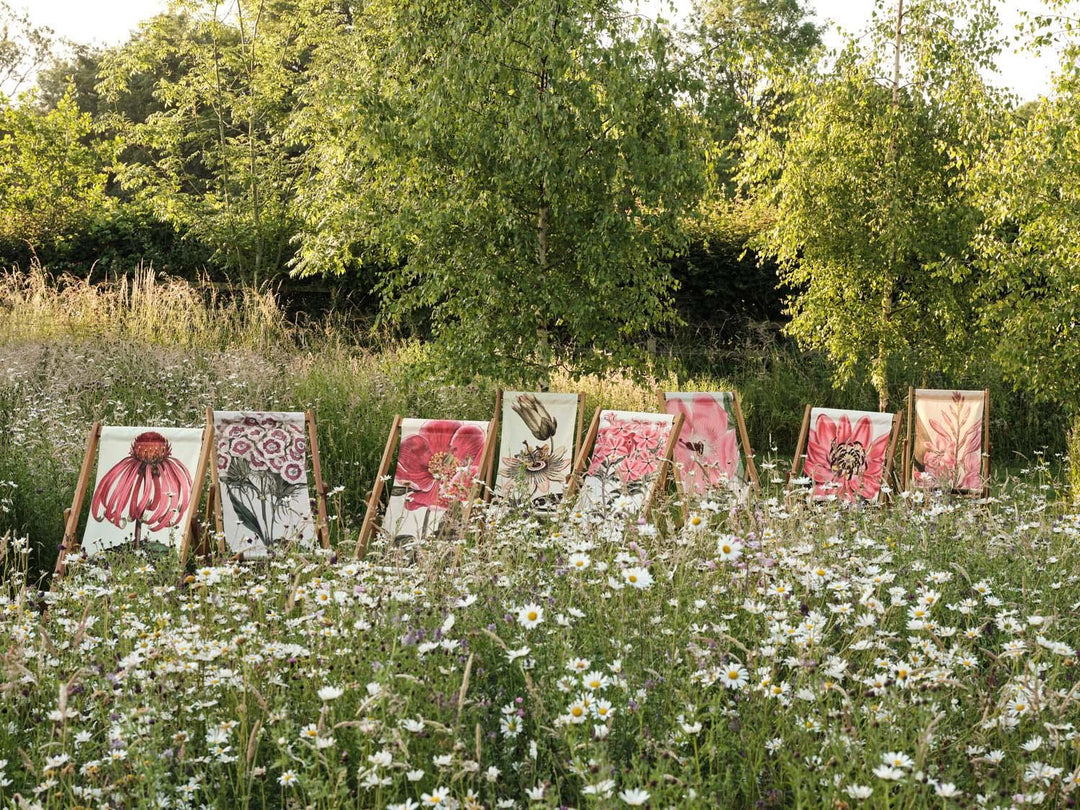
point(530, 616)
point(637, 577)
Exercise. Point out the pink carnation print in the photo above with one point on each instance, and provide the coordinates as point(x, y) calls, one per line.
point(632, 446)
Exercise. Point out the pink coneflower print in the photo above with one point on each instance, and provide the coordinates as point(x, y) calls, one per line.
point(148, 487)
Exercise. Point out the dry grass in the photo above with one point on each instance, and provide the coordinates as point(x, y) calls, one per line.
point(143, 307)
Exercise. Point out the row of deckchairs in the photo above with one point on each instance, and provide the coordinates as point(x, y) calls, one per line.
point(531, 456)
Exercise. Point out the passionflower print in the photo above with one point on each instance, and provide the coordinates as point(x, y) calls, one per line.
point(707, 450)
point(439, 463)
point(148, 487)
point(539, 466)
point(845, 460)
point(952, 447)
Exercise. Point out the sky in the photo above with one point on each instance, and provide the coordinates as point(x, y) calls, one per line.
point(111, 21)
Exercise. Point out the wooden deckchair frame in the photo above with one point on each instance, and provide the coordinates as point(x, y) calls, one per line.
point(393, 441)
point(750, 474)
point(321, 517)
point(492, 472)
point(909, 444)
point(581, 464)
point(798, 462)
point(71, 542)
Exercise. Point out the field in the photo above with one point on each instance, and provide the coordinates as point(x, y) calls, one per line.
point(770, 655)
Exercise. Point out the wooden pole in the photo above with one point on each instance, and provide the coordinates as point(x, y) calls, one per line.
point(377, 488)
point(322, 528)
point(496, 422)
point(484, 473)
point(196, 491)
point(908, 460)
point(219, 520)
point(893, 438)
point(578, 427)
point(794, 473)
point(71, 525)
point(665, 464)
point(581, 463)
point(986, 443)
point(744, 437)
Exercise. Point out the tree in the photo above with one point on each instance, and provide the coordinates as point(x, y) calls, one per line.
point(874, 225)
point(52, 175)
point(1029, 187)
point(521, 168)
point(214, 161)
point(745, 49)
point(24, 47)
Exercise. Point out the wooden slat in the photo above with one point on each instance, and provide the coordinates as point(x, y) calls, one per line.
point(908, 461)
point(487, 461)
point(323, 526)
point(377, 488)
point(490, 478)
point(219, 520)
point(893, 438)
point(582, 459)
point(578, 427)
point(986, 443)
point(665, 465)
point(197, 483)
point(744, 437)
point(71, 525)
point(794, 473)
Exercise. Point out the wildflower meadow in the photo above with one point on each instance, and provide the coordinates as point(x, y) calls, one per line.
point(760, 652)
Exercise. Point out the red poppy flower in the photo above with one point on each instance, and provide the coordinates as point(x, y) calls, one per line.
point(149, 486)
point(439, 463)
point(843, 460)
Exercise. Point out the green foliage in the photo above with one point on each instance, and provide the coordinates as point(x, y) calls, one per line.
point(521, 169)
point(214, 161)
point(746, 51)
point(1030, 189)
point(53, 176)
point(873, 225)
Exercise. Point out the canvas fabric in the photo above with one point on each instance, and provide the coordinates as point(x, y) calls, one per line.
point(536, 451)
point(261, 462)
point(134, 468)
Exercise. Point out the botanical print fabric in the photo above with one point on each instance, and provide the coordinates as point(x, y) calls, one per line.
point(438, 461)
point(707, 452)
point(948, 440)
point(262, 474)
point(537, 448)
point(625, 460)
point(143, 488)
point(846, 452)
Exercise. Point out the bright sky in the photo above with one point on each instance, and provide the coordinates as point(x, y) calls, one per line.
point(110, 22)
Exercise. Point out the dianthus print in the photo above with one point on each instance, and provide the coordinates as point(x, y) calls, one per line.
point(848, 453)
point(627, 456)
point(439, 461)
point(708, 455)
point(143, 490)
point(537, 448)
point(948, 451)
point(261, 465)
